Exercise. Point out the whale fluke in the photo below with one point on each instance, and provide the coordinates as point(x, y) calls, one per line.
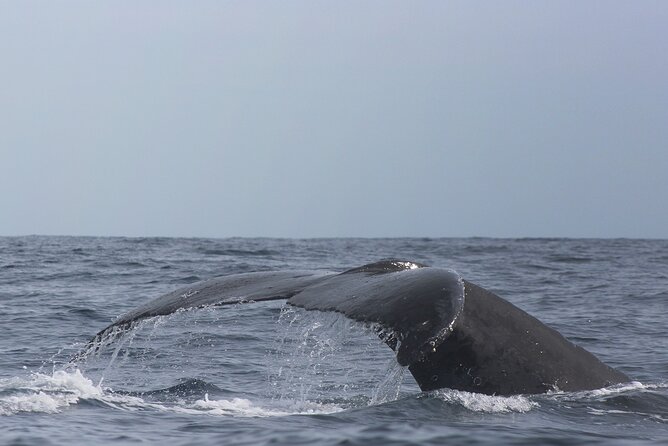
point(417, 305)
point(450, 332)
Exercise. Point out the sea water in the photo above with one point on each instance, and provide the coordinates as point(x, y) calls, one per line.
point(261, 373)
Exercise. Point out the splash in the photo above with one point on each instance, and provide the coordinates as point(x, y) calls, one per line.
point(389, 388)
point(321, 362)
point(317, 357)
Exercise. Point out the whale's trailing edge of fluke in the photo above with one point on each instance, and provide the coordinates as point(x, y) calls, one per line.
point(450, 332)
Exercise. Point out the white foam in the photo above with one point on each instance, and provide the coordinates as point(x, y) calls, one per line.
point(45, 393)
point(34, 402)
point(240, 407)
point(233, 407)
point(606, 412)
point(618, 388)
point(604, 392)
point(478, 402)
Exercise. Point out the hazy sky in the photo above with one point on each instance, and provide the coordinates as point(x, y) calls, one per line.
point(318, 119)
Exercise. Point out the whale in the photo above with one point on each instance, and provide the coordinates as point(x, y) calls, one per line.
point(449, 332)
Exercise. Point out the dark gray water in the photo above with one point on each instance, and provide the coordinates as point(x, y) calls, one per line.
point(266, 373)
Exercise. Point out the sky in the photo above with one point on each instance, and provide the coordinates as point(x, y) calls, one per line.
point(334, 118)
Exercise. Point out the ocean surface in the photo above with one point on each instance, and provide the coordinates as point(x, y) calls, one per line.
point(267, 373)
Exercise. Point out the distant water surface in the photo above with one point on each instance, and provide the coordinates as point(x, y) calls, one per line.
point(267, 373)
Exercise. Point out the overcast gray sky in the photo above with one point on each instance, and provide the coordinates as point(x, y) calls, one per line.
point(319, 119)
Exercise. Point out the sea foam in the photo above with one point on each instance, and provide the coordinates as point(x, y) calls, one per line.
point(478, 402)
point(45, 393)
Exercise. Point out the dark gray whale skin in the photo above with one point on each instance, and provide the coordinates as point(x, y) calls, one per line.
point(497, 349)
point(450, 332)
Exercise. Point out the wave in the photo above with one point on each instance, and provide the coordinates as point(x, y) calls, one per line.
point(623, 398)
point(634, 398)
point(605, 392)
point(63, 389)
point(239, 252)
point(43, 393)
point(188, 387)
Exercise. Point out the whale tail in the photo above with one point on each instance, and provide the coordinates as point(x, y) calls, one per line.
point(448, 331)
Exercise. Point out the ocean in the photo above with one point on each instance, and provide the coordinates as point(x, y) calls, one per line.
point(267, 373)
